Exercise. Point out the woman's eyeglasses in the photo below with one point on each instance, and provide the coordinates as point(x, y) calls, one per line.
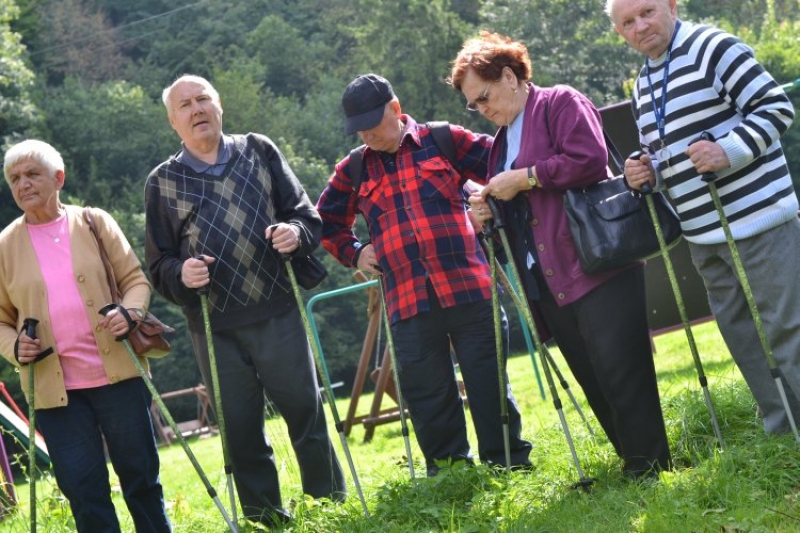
point(480, 100)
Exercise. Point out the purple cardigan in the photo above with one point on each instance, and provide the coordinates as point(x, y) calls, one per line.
point(562, 135)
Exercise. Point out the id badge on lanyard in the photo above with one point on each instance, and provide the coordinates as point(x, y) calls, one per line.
point(663, 153)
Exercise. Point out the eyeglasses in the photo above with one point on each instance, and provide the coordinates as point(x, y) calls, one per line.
point(480, 100)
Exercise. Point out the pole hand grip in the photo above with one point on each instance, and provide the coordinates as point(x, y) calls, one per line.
point(706, 176)
point(646, 187)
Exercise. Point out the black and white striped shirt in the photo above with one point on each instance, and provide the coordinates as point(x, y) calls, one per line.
point(715, 85)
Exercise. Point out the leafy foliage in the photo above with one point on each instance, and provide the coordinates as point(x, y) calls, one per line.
point(87, 75)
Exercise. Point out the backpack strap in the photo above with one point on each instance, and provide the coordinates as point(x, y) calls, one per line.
point(356, 167)
point(442, 138)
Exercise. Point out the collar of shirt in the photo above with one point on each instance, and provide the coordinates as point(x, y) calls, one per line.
point(409, 130)
point(201, 167)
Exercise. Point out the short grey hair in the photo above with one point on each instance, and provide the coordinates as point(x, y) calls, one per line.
point(35, 150)
point(167, 92)
point(609, 5)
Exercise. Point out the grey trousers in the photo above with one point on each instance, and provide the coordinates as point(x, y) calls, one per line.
point(770, 262)
point(271, 357)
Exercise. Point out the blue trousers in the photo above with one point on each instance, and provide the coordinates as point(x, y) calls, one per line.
point(428, 383)
point(74, 434)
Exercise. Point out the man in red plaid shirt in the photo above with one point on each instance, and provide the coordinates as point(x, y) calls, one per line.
point(436, 278)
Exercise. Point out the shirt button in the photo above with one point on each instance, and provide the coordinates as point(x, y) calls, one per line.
point(81, 278)
point(561, 295)
point(90, 303)
point(541, 247)
point(535, 222)
point(549, 271)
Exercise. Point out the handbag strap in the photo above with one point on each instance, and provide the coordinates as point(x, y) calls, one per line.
point(112, 284)
point(616, 157)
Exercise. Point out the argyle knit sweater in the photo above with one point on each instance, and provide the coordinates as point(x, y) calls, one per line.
point(225, 217)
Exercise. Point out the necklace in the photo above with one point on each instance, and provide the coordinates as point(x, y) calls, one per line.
point(60, 229)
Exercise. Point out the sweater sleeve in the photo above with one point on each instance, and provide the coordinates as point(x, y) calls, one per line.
point(580, 157)
point(162, 247)
point(292, 204)
point(766, 109)
point(8, 322)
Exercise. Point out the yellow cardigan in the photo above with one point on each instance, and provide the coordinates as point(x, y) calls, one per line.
point(23, 295)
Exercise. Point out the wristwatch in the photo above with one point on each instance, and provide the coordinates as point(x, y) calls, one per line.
point(532, 181)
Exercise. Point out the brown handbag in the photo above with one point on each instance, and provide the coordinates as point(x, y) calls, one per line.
point(146, 336)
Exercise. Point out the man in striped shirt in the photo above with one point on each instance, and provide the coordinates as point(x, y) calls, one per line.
point(698, 79)
point(435, 276)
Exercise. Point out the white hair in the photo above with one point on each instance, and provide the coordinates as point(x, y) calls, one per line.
point(167, 92)
point(609, 6)
point(35, 150)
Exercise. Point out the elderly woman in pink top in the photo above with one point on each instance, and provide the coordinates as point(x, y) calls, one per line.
point(87, 389)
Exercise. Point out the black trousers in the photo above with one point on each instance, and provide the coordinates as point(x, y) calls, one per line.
point(428, 383)
point(271, 357)
point(604, 339)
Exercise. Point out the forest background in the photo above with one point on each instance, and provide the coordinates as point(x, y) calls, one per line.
point(87, 75)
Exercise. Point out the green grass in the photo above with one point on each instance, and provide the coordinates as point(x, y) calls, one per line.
point(751, 486)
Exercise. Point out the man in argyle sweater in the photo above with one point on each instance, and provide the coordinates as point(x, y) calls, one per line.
point(220, 213)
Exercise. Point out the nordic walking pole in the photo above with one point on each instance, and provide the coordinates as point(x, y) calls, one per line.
point(498, 342)
point(29, 325)
point(710, 178)
point(212, 362)
point(676, 291)
point(171, 422)
point(32, 444)
point(499, 225)
point(561, 379)
point(326, 382)
point(396, 375)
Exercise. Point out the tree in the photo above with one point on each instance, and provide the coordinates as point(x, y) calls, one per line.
point(79, 41)
point(570, 42)
point(111, 136)
point(18, 113)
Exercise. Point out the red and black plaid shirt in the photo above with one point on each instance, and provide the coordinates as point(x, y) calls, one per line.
point(414, 206)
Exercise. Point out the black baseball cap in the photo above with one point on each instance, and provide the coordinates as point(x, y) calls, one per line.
point(363, 102)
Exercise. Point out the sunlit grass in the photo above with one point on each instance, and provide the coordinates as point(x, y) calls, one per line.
point(752, 485)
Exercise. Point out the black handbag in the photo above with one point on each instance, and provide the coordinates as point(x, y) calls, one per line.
point(611, 224)
point(308, 270)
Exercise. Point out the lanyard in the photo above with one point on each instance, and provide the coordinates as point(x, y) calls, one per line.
point(661, 112)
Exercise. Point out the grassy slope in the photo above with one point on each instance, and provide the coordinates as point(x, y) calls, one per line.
point(750, 486)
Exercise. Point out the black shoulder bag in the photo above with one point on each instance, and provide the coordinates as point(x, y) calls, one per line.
point(611, 224)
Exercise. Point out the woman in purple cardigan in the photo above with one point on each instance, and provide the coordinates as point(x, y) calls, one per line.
point(550, 140)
